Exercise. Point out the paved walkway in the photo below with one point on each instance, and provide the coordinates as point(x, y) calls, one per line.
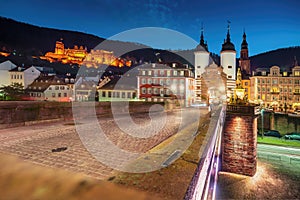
point(58, 145)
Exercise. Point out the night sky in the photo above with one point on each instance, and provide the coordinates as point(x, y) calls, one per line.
point(269, 24)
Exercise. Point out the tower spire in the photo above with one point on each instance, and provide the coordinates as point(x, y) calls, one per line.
point(244, 43)
point(202, 45)
point(228, 31)
point(295, 61)
point(202, 37)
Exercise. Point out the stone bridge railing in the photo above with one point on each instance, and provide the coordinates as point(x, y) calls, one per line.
point(203, 183)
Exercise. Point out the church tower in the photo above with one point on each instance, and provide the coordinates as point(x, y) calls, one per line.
point(202, 59)
point(228, 62)
point(244, 61)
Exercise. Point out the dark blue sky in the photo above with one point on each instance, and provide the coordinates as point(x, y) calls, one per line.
point(269, 24)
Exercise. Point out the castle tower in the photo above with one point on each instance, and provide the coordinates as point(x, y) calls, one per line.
point(244, 61)
point(201, 61)
point(59, 48)
point(228, 62)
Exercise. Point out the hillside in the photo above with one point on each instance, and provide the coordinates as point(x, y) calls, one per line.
point(29, 40)
point(282, 57)
point(34, 40)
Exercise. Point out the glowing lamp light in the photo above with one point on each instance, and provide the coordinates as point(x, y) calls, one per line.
point(240, 93)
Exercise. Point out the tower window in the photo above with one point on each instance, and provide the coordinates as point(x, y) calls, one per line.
point(229, 76)
point(229, 67)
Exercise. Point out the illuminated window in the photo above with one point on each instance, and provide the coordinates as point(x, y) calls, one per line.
point(149, 72)
point(168, 73)
point(143, 73)
point(297, 73)
point(297, 81)
point(284, 73)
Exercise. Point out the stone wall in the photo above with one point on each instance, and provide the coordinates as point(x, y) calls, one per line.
point(239, 143)
point(20, 113)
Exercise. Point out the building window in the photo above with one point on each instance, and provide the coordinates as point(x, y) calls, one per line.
point(168, 82)
point(263, 81)
point(297, 73)
point(284, 73)
point(143, 90)
point(109, 94)
point(149, 81)
point(143, 73)
point(53, 94)
point(56, 88)
point(103, 94)
point(182, 73)
point(128, 95)
point(161, 82)
point(149, 91)
point(143, 81)
point(258, 80)
point(258, 89)
point(296, 81)
point(161, 72)
point(229, 76)
point(150, 73)
point(65, 94)
point(50, 88)
point(264, 73)
point(275, 81)
point(229, 67)
point(62, 87)
point(297, 90)
point(175, 72)
point(246, 83)
point(59, 95)
point(168, 73)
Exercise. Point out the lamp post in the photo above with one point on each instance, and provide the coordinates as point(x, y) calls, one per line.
point(262, 122)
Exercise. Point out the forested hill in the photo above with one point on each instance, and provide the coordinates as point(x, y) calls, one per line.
point(34, 40)
point(284, 58)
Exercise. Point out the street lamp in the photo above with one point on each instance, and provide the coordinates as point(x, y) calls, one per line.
point(262, 122)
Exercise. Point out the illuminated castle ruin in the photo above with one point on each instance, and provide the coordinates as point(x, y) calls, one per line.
point(80, 55)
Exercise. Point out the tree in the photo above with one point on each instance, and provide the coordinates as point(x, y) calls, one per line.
point(14, 91)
